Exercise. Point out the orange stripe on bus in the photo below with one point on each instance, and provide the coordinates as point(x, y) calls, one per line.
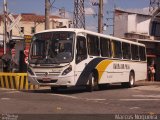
point(101, 67)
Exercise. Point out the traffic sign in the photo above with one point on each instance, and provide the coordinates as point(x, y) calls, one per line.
point(14, 23)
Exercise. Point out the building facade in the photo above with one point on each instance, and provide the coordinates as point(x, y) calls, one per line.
point(32, 23)
point(137, 27)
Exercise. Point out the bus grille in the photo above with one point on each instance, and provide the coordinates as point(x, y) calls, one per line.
point(49, 74)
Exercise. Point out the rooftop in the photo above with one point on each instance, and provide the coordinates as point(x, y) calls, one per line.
point(31, 17)
point(144, 12)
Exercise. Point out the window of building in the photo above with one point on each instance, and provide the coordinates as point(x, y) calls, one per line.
point(134, 52)
point(142, 53)
point(33, 30)
point(60, 24)
point(93, 45)
point(105, 47)
point(116, 49)
point(126, 49)
point(22, 29)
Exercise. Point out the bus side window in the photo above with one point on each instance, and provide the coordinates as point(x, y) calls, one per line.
point(93, 45)
point(81, 49)
point(105, 47)
point(116, 49)
point(134, 51)
point(126, 49)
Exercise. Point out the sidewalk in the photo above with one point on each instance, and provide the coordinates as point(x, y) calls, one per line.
point(146, 83)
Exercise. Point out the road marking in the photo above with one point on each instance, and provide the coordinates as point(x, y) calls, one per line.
point(5, 98)
point(95, 99)
point(68, 96)
point(73, 97)
point(13, 92)
point(139, 99)
point(134, 108)
point(147, 96)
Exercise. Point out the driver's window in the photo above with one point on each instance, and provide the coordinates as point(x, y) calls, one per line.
point(81, 49)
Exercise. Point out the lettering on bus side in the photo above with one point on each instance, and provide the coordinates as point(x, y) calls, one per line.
point(121, 66)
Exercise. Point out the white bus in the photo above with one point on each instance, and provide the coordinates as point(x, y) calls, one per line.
point(74, 57)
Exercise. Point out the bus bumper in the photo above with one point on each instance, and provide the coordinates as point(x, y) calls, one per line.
point(52, 81)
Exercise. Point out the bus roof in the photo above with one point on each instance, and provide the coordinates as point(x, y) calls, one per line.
point(78, 30)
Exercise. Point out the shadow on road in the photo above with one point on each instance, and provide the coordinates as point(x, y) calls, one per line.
point(82, 89)
point(79, 89)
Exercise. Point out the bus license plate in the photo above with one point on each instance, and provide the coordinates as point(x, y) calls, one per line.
point(46, 79)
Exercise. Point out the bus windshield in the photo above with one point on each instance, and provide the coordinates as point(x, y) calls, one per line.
point(52, 48)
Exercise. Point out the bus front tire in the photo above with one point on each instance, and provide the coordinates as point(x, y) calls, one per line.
point(92, 83)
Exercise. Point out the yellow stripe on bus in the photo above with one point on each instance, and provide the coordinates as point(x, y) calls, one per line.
point(101, 67)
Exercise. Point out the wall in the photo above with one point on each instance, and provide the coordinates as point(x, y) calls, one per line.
point(120, 25)
point(143, 24)
point(132, 23)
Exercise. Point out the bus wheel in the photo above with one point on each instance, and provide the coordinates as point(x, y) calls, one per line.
point(131, 80)
point(92, 83)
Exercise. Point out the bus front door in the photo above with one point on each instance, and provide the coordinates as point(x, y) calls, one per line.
point(81, 58)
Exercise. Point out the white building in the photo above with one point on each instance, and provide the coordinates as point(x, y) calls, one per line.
point(127, 23)
point(143, 28)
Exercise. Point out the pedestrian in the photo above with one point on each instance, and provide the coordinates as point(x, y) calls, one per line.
point(152, 72)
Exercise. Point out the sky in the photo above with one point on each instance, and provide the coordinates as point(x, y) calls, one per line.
point(38, 7)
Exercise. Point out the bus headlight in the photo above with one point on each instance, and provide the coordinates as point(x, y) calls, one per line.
point(67, 70)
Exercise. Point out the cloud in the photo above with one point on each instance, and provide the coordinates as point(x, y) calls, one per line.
point(89, 10)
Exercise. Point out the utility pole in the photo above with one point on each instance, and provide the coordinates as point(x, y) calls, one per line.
point(100, 17)
point(111, 20)
point(5, 25)
point(79, 14)
point(47, 13)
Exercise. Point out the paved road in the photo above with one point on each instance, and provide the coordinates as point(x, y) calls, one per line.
point(142, 99)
